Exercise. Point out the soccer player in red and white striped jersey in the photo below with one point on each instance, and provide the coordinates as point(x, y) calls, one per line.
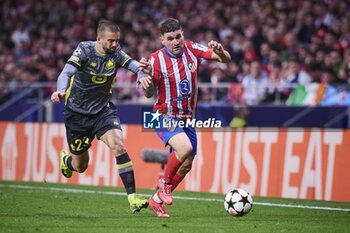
point(175, 76)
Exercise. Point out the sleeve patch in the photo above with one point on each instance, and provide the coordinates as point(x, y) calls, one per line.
point(73, 63)
point(74, 58)
point(77, 52)
point(199, 47)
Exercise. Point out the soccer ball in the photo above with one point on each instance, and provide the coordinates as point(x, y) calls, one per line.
point(238, 202)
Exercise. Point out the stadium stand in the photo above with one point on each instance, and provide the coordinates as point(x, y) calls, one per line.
point(300, 48)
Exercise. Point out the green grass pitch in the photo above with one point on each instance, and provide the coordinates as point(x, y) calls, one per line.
point(50, 208)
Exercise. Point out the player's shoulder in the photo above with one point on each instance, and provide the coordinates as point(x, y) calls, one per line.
point(189, 43)
point(155, 54)
point(121, 56)
point(120, 52)
point(87, 45)
point(83, 50)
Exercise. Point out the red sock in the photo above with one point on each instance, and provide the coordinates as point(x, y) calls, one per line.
point(176, 181)
point(171, 167)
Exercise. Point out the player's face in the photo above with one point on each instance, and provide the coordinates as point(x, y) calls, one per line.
point(109, 41)
point(173, 41)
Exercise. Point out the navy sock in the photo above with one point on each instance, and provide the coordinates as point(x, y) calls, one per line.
point(126, 172)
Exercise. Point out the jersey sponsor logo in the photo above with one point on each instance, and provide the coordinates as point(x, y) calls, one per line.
point(110, 64)
point(199, 47)
point(184, 87)
point(181, 98)
point(99, 79)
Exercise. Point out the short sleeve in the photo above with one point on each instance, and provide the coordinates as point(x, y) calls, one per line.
point(200, 50)
point(78, 56)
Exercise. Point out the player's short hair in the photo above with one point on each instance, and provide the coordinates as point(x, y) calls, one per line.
point(169, 25)
point(107, 25)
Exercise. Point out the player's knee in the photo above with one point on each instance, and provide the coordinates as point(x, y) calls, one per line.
point(185, 150)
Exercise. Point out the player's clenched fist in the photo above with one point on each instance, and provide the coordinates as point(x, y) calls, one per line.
point(216, 46)
point(145, 66)
point(57, 96)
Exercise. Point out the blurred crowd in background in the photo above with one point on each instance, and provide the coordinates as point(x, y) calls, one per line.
point(294, 52)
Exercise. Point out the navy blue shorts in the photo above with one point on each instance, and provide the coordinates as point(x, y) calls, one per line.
point(165, 133)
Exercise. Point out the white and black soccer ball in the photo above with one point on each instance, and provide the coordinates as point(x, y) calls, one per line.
point(238, 202)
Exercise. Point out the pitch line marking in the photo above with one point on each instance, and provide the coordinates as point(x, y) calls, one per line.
point(71, 190)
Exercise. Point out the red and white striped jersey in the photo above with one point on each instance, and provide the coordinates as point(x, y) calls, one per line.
point(176, 79)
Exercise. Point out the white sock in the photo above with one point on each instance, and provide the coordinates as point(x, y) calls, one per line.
point(132, 194)
point(156, 198)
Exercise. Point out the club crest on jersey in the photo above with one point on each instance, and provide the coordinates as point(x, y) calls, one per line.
point(184, 87)
point(110, 64)
point(165, 75)
point(192, 66)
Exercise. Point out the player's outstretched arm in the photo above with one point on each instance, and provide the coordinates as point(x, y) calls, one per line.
point(219, 53)
point(143, 69)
